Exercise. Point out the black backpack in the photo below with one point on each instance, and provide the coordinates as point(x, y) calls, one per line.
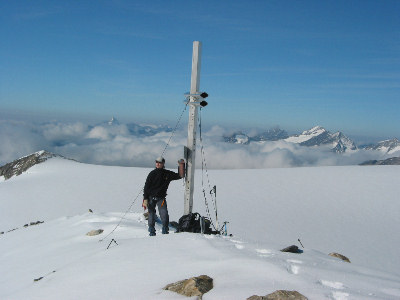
point(189, 223)
point(192, 223)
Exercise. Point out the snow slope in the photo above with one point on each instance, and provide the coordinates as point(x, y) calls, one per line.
point(351, 210)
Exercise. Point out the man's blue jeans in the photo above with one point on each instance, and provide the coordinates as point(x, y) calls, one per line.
point(161, 204)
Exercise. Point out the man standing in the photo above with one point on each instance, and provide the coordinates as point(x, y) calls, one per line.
point(155, 191)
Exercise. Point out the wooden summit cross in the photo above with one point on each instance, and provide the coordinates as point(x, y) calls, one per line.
point(195, 99)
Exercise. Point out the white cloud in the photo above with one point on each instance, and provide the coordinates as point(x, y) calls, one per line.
point(61, 131)
point(115, 145)
point(18, 139)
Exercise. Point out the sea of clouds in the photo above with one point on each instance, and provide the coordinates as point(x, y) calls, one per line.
point(118, 145)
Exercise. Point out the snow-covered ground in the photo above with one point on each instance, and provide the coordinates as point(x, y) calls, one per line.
point(351, 210)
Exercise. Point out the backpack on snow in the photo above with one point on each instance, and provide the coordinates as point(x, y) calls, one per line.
point(193, 222)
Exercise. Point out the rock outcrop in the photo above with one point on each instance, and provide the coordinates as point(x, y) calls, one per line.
point(388, 161)
point(95, 232)
point(280, 295)
point(195, 286)
point(342, 257)
point(18, 166)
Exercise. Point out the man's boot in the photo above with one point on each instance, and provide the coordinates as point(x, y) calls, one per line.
point(152, 231)
point(165, 230)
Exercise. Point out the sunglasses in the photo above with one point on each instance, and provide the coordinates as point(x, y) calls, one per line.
point(159, 162)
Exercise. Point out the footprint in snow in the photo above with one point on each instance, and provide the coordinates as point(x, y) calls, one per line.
point(294, 261)
point(293, 269)
point(336, 295)
point(238, 244)
point(332, 284)
point(264, 252)
point(340, 296)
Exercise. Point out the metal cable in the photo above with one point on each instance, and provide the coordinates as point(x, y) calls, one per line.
point(123, 216)
point(204, 164)
point(173, 131)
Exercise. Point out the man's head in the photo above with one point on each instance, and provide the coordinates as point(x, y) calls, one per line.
point(160, 161)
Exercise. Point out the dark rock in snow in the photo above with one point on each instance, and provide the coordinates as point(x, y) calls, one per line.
point(280, 295)
point(36, 223)
point(195, 286)
point(95, 232)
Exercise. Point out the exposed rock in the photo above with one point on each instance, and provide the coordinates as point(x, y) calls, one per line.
point(280, 295)
point(387, 146)
point(342, 257)
point(41, 277)
point(95, 232)
point(33, 223)
point(36, 223)
point(292, 249)
point(273, 134)
point(25, 226)
point(238, 138)
point(319, 136)
point(18, 166)
point(388, 161)
point(195, 286)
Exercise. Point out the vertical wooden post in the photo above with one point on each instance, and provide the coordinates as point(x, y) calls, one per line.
point(192, 127)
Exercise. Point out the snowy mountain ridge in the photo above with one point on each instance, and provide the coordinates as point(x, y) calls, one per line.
point(18, 166)
point(388, 146)
point(316, 136)
point(319, 136)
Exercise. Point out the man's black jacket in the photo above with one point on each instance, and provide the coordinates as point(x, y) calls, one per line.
point(157, 183)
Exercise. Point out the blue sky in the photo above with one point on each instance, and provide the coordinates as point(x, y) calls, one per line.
point(295, 64)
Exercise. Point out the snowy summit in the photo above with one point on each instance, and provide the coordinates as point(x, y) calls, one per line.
point(48, 210)
point(318, 136)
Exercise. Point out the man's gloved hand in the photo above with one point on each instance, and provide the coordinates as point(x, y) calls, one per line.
point(145, 204)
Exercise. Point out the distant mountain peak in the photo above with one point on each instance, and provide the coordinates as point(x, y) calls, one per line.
point(113, 121)
point(318, 136)
point(237, 138)
point(273, 134)
point(316, 130)
point(387, 146)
